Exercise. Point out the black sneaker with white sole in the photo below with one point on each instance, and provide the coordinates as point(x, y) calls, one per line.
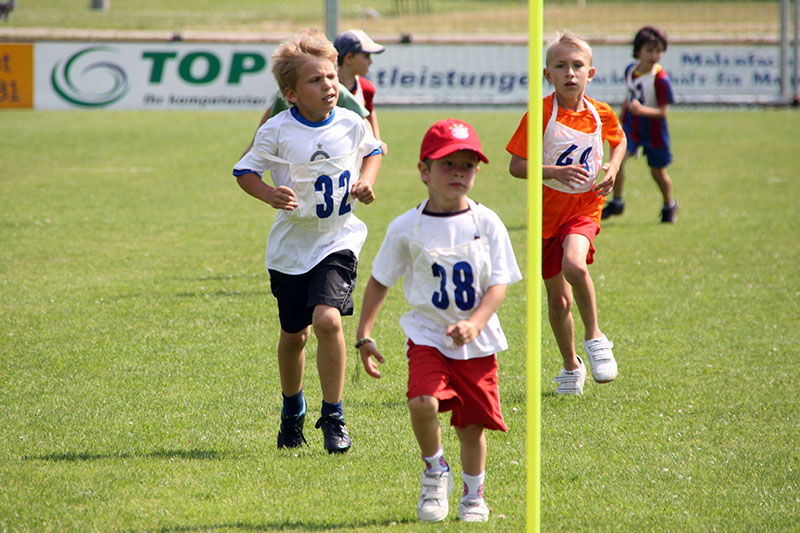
point(334, 430)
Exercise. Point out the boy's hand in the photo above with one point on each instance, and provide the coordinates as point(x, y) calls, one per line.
point(282, 198)
point(368, 351)
point(635, 107)
point(574, 176)
point(605, 186)
point(462, 332)
point(362, 192)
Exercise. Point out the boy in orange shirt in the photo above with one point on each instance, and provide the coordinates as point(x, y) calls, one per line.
point(574, 128)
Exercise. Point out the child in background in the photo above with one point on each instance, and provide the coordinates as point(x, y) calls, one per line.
point(644, 119)
point(355, 57)
point(457, 260)
point(574, 128)
point(320, 158)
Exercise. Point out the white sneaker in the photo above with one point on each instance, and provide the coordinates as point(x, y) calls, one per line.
point(436, 489)
point(473, 510)
point(571, 381)
point(601, 358)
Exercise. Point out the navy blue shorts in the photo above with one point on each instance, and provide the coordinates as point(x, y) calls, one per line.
point(330, 282)
point(656, 157)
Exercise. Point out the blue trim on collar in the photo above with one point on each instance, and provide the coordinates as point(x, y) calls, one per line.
point(302, 120)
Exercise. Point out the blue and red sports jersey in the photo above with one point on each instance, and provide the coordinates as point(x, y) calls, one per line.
point(652, 90)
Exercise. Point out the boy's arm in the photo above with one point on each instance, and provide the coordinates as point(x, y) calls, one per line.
point(465, 331)
point(374, 295)
point(278, 197)
point(611, 168)
point(639, 109)
point(518, 167)
point(362, 189)
point(267, 114)
point(376, 131)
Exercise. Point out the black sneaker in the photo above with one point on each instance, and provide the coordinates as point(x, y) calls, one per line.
point(615, 206)
point(291, 432)
point(337, 440)
point(669, 213)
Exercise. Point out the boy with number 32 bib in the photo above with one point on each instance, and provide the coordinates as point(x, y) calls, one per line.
point(321, 159)
point(456, 259)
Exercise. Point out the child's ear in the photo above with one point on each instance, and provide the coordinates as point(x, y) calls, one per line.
point(424, 172)
point(592, 70)
point(290, 95)
point(547, 76)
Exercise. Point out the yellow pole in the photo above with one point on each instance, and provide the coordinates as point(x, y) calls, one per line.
point(534, 285)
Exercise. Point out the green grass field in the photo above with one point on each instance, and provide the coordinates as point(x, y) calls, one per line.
point(138, 382)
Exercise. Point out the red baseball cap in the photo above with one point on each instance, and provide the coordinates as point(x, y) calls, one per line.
point(448, 136)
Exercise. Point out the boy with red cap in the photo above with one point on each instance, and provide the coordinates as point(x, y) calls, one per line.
point(456, 259)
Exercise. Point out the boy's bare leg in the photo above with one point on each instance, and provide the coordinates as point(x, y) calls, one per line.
point(292, 360)
point(473, 449)
point(663, 182)
point(619, 180)
point(559, 303)
point(576, 272)
point(424, 422)
point(331, 351)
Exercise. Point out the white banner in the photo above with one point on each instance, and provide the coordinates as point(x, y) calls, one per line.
point(497, 74)
point(152, 76)
point(177, 75)
point(699, 73)
point(451, 73)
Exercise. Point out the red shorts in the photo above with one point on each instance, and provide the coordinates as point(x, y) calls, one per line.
point(468, 388)
point(564, 214)
point(553, 250)
point(558, 208)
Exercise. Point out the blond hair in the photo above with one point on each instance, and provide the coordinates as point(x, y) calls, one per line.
point(292, 53)
point(567, 38)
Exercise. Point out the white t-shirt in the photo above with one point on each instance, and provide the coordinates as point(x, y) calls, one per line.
point(452, 294)
point(289, 137)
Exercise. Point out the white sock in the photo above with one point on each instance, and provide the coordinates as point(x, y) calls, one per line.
point(436, 462)
point(473, 486)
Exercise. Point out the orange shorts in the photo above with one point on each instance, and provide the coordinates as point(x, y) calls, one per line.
point(564, 214)
point(468, 388)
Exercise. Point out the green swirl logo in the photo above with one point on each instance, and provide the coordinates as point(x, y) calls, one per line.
point(86, 82)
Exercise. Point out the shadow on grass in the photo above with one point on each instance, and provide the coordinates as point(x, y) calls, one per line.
point(289, 526)
point(219, 293)
point(206, 455)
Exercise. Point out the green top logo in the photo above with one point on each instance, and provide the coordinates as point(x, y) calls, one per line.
point(80, 81)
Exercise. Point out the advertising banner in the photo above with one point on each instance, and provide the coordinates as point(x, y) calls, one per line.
point(16, 75)
point(224, 76)
point(153, 76)
point(451, 74)
point(699, 73)
point(497, 74)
